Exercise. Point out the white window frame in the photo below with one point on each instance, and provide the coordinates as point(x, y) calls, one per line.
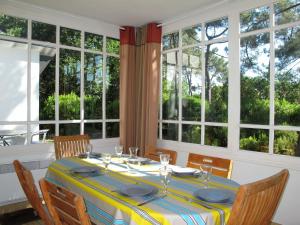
point(180, 48)
point(271, 127)
point(28, 40)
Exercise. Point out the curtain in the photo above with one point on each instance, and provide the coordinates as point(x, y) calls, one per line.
point(139, 88)
point(127, 86)
point(148, 78)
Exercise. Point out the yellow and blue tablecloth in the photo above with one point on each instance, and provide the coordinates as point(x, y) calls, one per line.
point(108, 207)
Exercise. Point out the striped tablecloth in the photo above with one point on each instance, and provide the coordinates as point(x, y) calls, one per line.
point(108, 207)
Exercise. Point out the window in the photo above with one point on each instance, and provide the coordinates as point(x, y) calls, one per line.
point(270, 81)
point(195, 84)
point(13, 26)
point(43, 32)
point(70, 91)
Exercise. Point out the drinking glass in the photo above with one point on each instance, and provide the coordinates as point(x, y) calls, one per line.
point(129, 168)
point(106, 157)
point(164, 160)
point(164, 179)
point(119, 150)
point(88, 150)
point(133, 152)
point(206, 171)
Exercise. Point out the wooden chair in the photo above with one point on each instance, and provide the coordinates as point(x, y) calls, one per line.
point(256, 202)
point(153, 153)
point(31, 192)
point(65, 207)
point(66, 146)
point(220, 167)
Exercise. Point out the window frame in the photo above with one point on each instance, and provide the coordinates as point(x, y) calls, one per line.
point(232, 150)
point(57, 46)
point(271, 127)
point(202, 44)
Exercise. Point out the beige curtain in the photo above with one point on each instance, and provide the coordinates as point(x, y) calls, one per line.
point(139, 89)
point(148, 53)
point(127, 88)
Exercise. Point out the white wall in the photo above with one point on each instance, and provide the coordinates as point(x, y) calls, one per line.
point(13, 85)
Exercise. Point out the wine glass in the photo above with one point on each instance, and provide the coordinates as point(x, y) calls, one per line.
point(206, 171)
point(133, 152)
point(129, 168)
point(106, 160)
point(164, 179)
point(164, 160)
point(119, 150)
point(88, 150)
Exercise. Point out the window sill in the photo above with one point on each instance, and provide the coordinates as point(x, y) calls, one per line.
point(265, 159)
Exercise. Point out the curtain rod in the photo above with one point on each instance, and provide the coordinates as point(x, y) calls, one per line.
point(158, 25)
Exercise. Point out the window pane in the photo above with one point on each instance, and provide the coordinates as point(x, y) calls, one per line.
point(287, 76)
point(216, 136)
point(69, 129)
point(112, 130)
point(191, 133)
point(13, 85)
point(42, 83)
point(255, 70)
point(170, 131)
point(170, 85)
point(216, 29)
point(170, 41)
point(13, 135)
point(191, 84)
point(93, 67)
point(216, 82)
point(255, 19)
point(69, 85)
point(191, 35)
point(43, 32)
point(287, 143)
point(254, 139)
point(112, 87)
point(112, 45)
point(70, 37)
point(13, 26)
point(93, 41)
point(42, 133)
point(287, 11)
point(94, 130)
point(50, 133)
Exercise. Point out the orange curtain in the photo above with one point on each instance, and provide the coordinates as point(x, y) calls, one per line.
point(139, 87)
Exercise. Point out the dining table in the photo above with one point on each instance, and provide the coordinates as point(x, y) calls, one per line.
point(108, 200)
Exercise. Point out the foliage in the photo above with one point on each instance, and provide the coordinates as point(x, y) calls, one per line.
point(255, 82)
point(13, 26)
point(70, 37)
point(255, 142)
point(112, 45)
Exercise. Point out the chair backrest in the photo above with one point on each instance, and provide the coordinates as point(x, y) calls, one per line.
point(154, 152)
point(256, 202)
point(65, 207)
point(220, 167)
point(31, 192)
point(66, 146)
point(38, 134)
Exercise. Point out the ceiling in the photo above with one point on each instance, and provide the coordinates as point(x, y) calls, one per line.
point(126, 12)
